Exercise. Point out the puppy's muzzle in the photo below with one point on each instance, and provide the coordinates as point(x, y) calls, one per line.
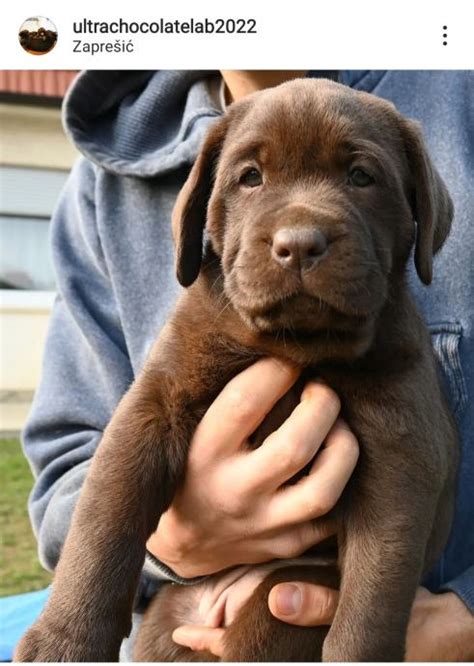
point(298, 249)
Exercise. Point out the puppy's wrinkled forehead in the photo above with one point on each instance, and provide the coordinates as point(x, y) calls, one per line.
point(308, 123)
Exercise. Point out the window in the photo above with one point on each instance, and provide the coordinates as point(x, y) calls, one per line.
point(27, 199)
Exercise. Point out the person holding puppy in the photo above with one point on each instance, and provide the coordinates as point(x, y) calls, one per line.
point(114, 261)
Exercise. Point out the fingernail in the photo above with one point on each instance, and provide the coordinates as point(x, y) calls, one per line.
point(288, 599)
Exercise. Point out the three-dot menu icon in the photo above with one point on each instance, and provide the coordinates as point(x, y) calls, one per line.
point(445, 35)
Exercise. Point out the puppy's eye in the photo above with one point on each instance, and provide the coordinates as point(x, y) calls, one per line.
point(360, 178)
point(251, 178)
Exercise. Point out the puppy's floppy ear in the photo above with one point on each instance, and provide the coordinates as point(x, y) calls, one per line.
point(190, 211)
point(431, 204)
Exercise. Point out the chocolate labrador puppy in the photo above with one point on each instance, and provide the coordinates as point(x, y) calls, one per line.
point(292, 232)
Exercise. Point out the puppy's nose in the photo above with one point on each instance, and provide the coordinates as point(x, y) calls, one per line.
point(298, 249)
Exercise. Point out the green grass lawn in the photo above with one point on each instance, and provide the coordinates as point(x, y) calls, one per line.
point(20, 570)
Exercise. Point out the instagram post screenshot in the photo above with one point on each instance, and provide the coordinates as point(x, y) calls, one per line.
point(237, 332)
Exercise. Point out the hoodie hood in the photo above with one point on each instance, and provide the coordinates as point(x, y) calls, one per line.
point(149, 123)
point(141, 123)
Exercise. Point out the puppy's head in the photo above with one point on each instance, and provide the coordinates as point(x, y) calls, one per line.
point(312, 195)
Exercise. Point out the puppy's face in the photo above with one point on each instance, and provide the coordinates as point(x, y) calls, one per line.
point(312, 190)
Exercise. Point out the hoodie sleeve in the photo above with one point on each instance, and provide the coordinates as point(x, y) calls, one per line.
point(463, 586)
point(86, 369)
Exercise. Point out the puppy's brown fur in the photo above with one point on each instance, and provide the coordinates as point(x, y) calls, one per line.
point(349, 320)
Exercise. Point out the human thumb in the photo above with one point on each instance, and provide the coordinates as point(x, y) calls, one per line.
point(304, 604)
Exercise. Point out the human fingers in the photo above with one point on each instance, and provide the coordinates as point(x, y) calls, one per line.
point(200, 638)
point(240, 408)
point(317, 493)
point(294, 444)
point(304, 604)
point(293, 541)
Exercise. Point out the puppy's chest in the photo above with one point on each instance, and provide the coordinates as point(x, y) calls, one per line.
point(278, 415)
point(368, 407)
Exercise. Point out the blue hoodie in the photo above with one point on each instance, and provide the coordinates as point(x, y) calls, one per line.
point(139, 132)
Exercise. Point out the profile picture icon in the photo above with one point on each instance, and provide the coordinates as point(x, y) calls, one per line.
point(38, 35)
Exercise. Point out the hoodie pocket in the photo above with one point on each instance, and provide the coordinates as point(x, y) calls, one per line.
point(446, 338)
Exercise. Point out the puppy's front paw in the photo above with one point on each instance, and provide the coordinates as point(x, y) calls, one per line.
point(45, 642)
point(37, 645)
point(350, 649)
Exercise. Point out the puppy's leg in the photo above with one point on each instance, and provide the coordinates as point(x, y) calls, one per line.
point(131, 482)
point(386, 532)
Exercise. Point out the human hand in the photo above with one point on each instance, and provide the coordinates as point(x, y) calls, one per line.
point(233, 507)
point(441, 628)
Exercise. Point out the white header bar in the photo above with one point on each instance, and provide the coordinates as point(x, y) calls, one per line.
point(246, 34)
